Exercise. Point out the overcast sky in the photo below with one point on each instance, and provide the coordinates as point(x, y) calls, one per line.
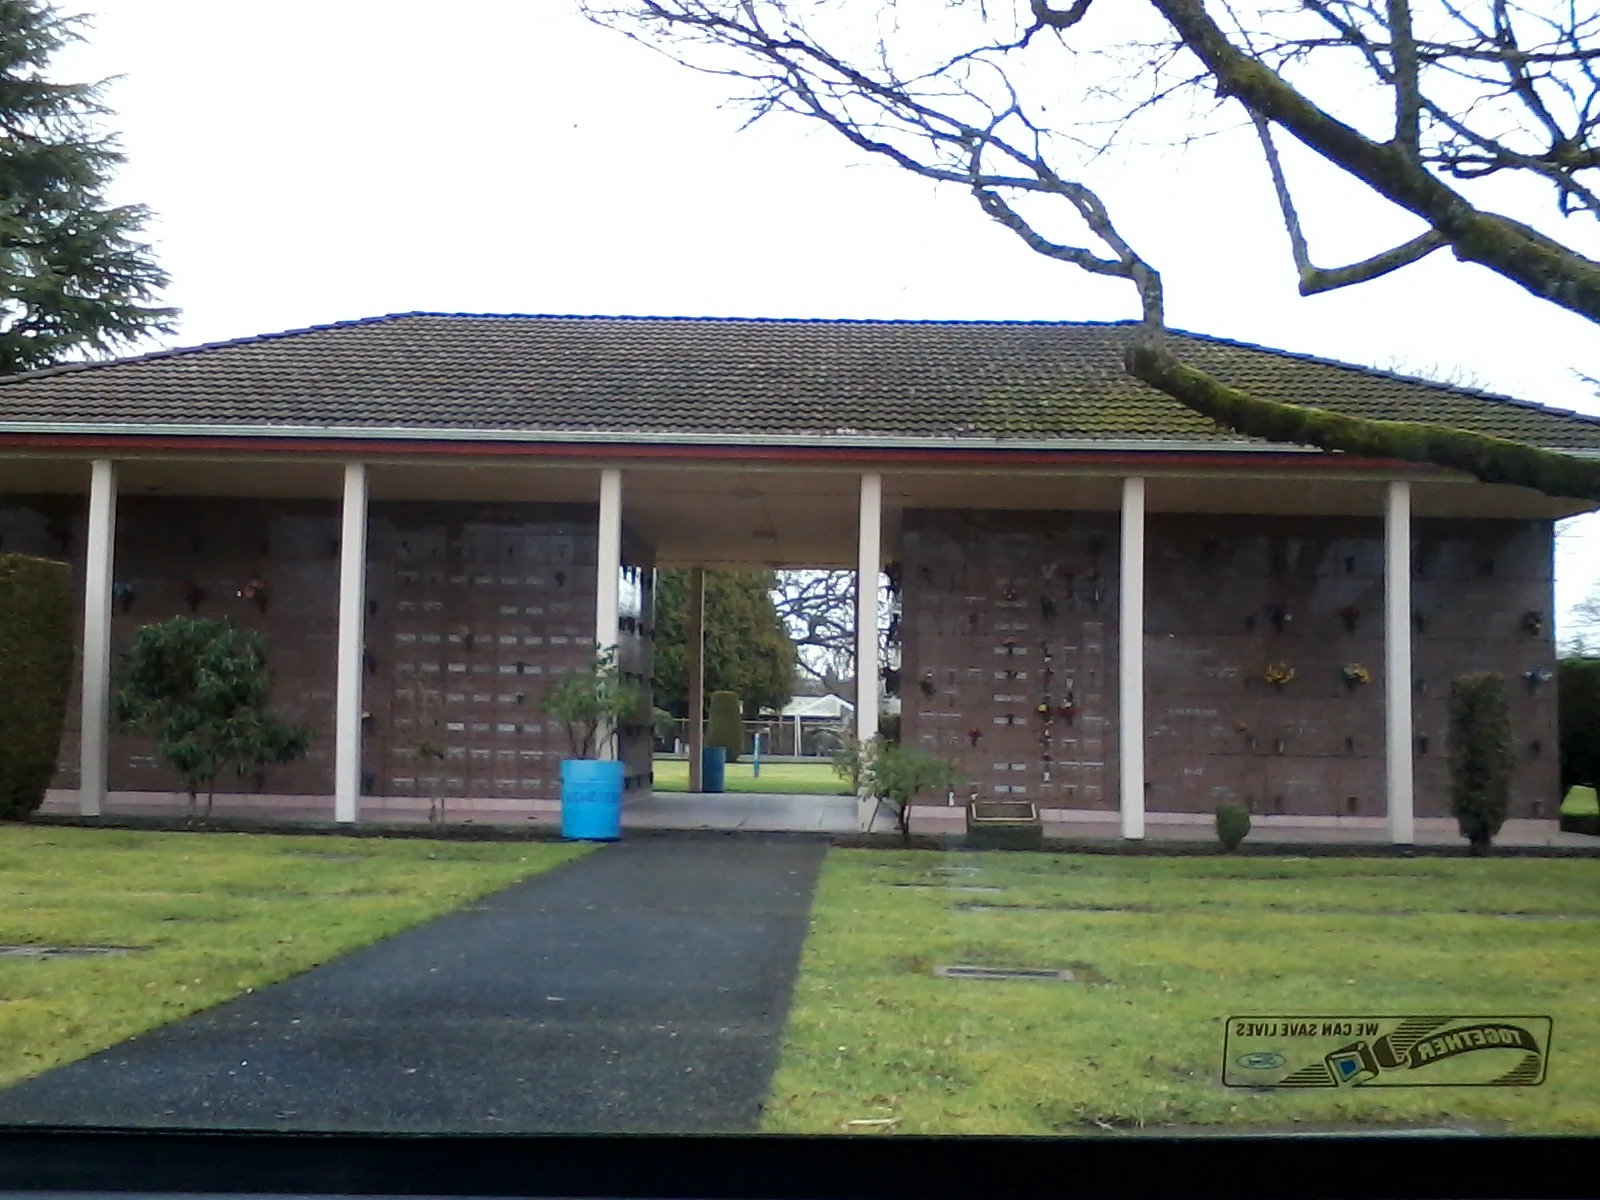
point(322, 160)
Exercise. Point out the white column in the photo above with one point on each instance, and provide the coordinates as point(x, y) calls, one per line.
point(870, 546)
point(695, 664)
point(351, 656)
point(1130, 672)
point(608, 559)
point(96, 687)
point(1397, 661)
point(608, 581)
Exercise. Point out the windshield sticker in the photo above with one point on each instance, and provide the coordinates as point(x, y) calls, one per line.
point(1350, 1051)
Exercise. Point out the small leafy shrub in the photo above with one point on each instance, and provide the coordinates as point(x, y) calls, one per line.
point(36, 653)
point(894, 773)
point(592, 703)
point(199, 688)
point(725, 724)
point(1233, 825)
point(1480, 756)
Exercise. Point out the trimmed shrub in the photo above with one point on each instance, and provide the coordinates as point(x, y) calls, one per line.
point(889, 727)
point(725, 724)
point(1480, 756)
point(1233, 825)
point(36, 655)
point(1580, 811)
point(1578, 693)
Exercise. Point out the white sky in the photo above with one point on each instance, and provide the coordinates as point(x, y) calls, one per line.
point(322, 160)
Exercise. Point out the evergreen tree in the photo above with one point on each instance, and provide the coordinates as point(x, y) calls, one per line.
point(747, 648)
point(75, 281)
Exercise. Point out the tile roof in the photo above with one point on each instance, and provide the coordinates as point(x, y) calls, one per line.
point(650, 375)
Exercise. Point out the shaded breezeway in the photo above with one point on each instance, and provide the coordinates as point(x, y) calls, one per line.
point(643, 988)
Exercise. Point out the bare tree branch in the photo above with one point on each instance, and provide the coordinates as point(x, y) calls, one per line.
point(1043, 14)
point(963, 122)
point(1491, 459)
point(1540, 264)
point(1407, 92)
point(1314, 279)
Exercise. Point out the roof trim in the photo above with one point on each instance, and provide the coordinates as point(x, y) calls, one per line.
point(417, 433)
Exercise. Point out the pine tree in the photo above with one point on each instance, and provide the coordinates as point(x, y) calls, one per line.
point(75, 281)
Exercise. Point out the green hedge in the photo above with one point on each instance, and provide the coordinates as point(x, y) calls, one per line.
point(725, 724)
point(1233, 825)
point(1578, 689)
point(1481, 759)
point(36, 655)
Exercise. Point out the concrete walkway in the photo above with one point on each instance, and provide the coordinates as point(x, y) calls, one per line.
point(835, 815)
point(643, 988)
point(744, 811)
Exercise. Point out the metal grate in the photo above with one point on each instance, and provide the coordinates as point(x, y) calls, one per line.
point(969, 972)
point(64, 951)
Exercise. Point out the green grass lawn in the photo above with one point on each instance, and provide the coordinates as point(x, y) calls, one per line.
point(1172, 947)
point(215, 915)
point(804, 778)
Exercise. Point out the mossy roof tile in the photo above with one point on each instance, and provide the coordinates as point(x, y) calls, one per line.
point(643, 375)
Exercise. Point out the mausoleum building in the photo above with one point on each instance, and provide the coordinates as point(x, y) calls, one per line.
point(1104, 602)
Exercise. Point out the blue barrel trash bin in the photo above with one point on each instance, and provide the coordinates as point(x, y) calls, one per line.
point(591, 800)
point(713, 768)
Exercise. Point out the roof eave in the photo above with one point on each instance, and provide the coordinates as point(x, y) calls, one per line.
point(605, 437)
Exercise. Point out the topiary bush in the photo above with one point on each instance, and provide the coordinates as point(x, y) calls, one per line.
point(725, 724)
point(1480, 756)
point(1580, 811)
point(36, 654)
point(1578, 694)
point(1233, 825)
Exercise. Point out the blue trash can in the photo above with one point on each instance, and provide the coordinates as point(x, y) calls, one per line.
point(591, 800)
point(713, 768)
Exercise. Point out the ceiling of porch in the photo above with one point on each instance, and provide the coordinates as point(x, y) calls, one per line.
point(749, 514)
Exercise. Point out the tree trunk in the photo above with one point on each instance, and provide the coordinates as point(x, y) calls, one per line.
point(1490, 459)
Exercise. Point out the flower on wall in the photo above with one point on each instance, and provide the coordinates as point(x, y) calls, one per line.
point(255, 590)
point(1533, 622)
point(1278, 674)
point(1355, 674)
point(1350, 614)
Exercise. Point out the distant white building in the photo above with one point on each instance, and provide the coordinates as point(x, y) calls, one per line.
point(812, 712)
point(820, 708)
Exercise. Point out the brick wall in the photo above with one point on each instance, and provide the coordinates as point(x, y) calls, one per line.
point(1004, 613)
point(473, 611)
point(1226, 598)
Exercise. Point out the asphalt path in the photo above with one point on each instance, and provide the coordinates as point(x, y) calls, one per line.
point(641, 989)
